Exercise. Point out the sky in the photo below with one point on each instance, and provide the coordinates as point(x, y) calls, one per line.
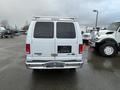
point(18, 12)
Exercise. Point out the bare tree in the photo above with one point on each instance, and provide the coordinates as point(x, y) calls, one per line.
point(26, 26)
point(5, 24)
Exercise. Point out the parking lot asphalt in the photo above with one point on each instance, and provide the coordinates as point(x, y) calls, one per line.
point(97, 73)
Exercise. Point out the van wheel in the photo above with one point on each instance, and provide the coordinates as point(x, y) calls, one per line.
point(72, 69)
point(35, 70)
point(108, 50)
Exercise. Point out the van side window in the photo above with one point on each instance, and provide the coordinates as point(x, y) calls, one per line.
point(65, 30)
point(44, 30)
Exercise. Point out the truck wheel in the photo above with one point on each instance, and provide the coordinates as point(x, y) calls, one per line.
point(97, 49)
point(11, 36)
point(6, 36)
point(108, 50)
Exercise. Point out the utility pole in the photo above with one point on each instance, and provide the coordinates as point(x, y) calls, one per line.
point(96, 23)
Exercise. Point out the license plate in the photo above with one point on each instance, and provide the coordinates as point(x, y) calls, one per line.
point(54, 64)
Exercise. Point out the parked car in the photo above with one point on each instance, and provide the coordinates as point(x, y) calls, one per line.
point(107, 42)
point(54, 43)
point(7, 34)
point(2, 29)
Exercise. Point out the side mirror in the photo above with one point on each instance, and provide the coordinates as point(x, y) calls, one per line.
point(119, 30)
point(82, 32)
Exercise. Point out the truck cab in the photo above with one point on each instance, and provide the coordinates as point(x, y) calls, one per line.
point(107, 42)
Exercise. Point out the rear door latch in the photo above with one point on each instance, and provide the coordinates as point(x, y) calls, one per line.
point(54, 54)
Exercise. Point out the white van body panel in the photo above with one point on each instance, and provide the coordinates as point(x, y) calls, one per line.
point(42, 48)
point(67, 42)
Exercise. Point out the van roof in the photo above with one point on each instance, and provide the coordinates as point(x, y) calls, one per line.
point(53, 18)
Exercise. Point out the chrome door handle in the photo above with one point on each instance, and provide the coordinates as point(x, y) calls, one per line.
point(38, 53)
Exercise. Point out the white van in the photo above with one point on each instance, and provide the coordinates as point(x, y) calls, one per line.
point(54, 43)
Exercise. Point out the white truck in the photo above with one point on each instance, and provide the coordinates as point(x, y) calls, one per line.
point(107, 42)
point(86, 37)
point(54, 43)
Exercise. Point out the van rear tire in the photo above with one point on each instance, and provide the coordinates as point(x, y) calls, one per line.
point(72, 70)
point(36, 70)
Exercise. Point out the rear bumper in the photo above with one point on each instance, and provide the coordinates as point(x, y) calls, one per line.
point(42, 65)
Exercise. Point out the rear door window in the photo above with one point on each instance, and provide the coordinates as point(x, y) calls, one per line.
point(44, 30)
point(65, 30)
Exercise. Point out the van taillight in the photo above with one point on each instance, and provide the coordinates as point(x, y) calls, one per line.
point(81, 47)
point(27, 48)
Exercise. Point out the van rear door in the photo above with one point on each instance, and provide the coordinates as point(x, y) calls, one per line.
point(66, 41)
point(43, 41)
